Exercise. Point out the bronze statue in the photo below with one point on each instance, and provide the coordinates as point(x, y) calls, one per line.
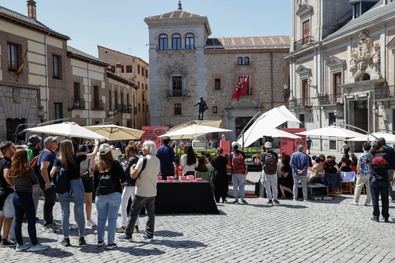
point(202, 108)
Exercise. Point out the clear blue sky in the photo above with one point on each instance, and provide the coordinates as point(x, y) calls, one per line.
point(119, 24)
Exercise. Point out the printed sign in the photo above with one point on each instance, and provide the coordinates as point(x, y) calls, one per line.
point(152, 133)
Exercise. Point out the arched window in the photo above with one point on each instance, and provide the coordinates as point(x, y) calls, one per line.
point(246, 61)
point(240, 61)
point(189, 41)
point(176, 41)
point(163, 42)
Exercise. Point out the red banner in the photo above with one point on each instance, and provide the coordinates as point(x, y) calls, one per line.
point(152, 133)
point(288, 145)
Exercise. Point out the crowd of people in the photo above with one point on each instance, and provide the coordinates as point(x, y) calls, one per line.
point(124, 184)
point(73, 173)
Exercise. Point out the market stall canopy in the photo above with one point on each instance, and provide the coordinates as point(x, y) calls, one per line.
point(332, 131)
point(116, 133)
point(277, 133)
point(67, 129)
point(389, 138)
point(193, 131)
point(210, 123)
point(266, 123)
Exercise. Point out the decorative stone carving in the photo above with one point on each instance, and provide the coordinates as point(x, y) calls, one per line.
point(335, 63)
point(303, 72)
point(177, 69)
point(303, 8)
point(365, 59)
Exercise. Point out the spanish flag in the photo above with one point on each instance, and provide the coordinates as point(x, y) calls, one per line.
point(21, 66)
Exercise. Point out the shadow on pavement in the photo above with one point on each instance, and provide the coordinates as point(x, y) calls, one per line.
point(166, 233)
point(138, 251)
point(54, 253)
point(178, 244)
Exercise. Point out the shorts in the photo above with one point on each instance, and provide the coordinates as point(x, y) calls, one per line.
point(88, 184)
point(8, 208)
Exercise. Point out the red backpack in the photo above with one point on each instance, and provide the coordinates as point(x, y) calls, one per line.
point(238, 164)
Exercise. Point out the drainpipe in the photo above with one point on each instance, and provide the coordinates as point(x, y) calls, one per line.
point(89, 93)
point(46, 75)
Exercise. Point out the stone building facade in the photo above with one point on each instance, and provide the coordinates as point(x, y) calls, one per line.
point(33, 73)
point(43, 80)
point(342, 66)
point(186, 65)
point(135, 70)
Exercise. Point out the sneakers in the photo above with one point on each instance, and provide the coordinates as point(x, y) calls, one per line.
point(111, 246)
point(66, 242)
point(7, 243)
point(244, 202)
point(82, 241)
point(235, 201)
point(20, 248)
point(51, 228)
point(38, 247)
point(354, 203)
point(100, 244)
point(125, 238)
point(276, 202)
point(91, 223)
point(270, 202)
point(375, 219)
point(148, 238)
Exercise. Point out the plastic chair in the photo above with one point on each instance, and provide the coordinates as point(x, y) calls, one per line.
point(348, 179)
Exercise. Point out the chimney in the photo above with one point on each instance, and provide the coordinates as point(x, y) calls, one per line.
point(31, 9)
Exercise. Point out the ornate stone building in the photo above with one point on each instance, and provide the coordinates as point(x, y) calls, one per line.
point(185, 65)
point(342, 65)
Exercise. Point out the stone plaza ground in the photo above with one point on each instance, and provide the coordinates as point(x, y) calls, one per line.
point(326, 231)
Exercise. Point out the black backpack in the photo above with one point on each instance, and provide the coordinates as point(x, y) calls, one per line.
point(270, 163)
point(60, 182)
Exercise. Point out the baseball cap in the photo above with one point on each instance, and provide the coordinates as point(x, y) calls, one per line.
point(34, 140)
point(268, 145)
point(51, 139)
point(104, 149)
point(235, 145)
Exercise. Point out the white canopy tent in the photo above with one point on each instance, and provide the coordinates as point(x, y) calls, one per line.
point(193, 131)
point(116, 133)
point(67, 129)
point(266, 124)
point(389, 138)
point(332, 131)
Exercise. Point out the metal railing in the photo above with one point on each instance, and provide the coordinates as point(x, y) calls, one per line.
point(329, 99)
point(303, 42)
point(301, 102)
point(78, 103)
point(177, 93)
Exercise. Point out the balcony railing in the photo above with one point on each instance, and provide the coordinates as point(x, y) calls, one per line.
point(303, 42)
point(177, 93)
point(78, 104)
point(300, 102)
point(329, 99)
point(98, 105)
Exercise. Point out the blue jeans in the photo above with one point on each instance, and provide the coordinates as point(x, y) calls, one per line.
point(75, 195)
point(238, 181)
point(24, 204)
point(107, 208)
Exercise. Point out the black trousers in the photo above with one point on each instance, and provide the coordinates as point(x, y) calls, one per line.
point(220, 187)
point(50, 199)
point(380, 187)
point(24, 204)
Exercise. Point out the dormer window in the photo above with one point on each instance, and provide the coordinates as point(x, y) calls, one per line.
point(240, 61)
point(357, 10)
point(246, 61)
point(163, 42)
point(176, 41)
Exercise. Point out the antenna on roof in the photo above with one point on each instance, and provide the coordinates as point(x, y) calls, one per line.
point(179, 5)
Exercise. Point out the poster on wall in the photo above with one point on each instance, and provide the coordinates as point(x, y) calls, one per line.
point(153, 132)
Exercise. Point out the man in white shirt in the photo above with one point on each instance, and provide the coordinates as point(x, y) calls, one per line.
point(146, 171)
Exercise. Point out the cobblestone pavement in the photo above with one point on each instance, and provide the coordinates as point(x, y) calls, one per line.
point(327, 231)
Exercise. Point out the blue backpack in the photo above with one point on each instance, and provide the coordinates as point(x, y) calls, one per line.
point(60, 182)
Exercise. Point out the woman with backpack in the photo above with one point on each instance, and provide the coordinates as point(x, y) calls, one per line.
point(23, 179)
point(239, 174)
point(129, 186)
point(68, 165)
point(108, 176)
